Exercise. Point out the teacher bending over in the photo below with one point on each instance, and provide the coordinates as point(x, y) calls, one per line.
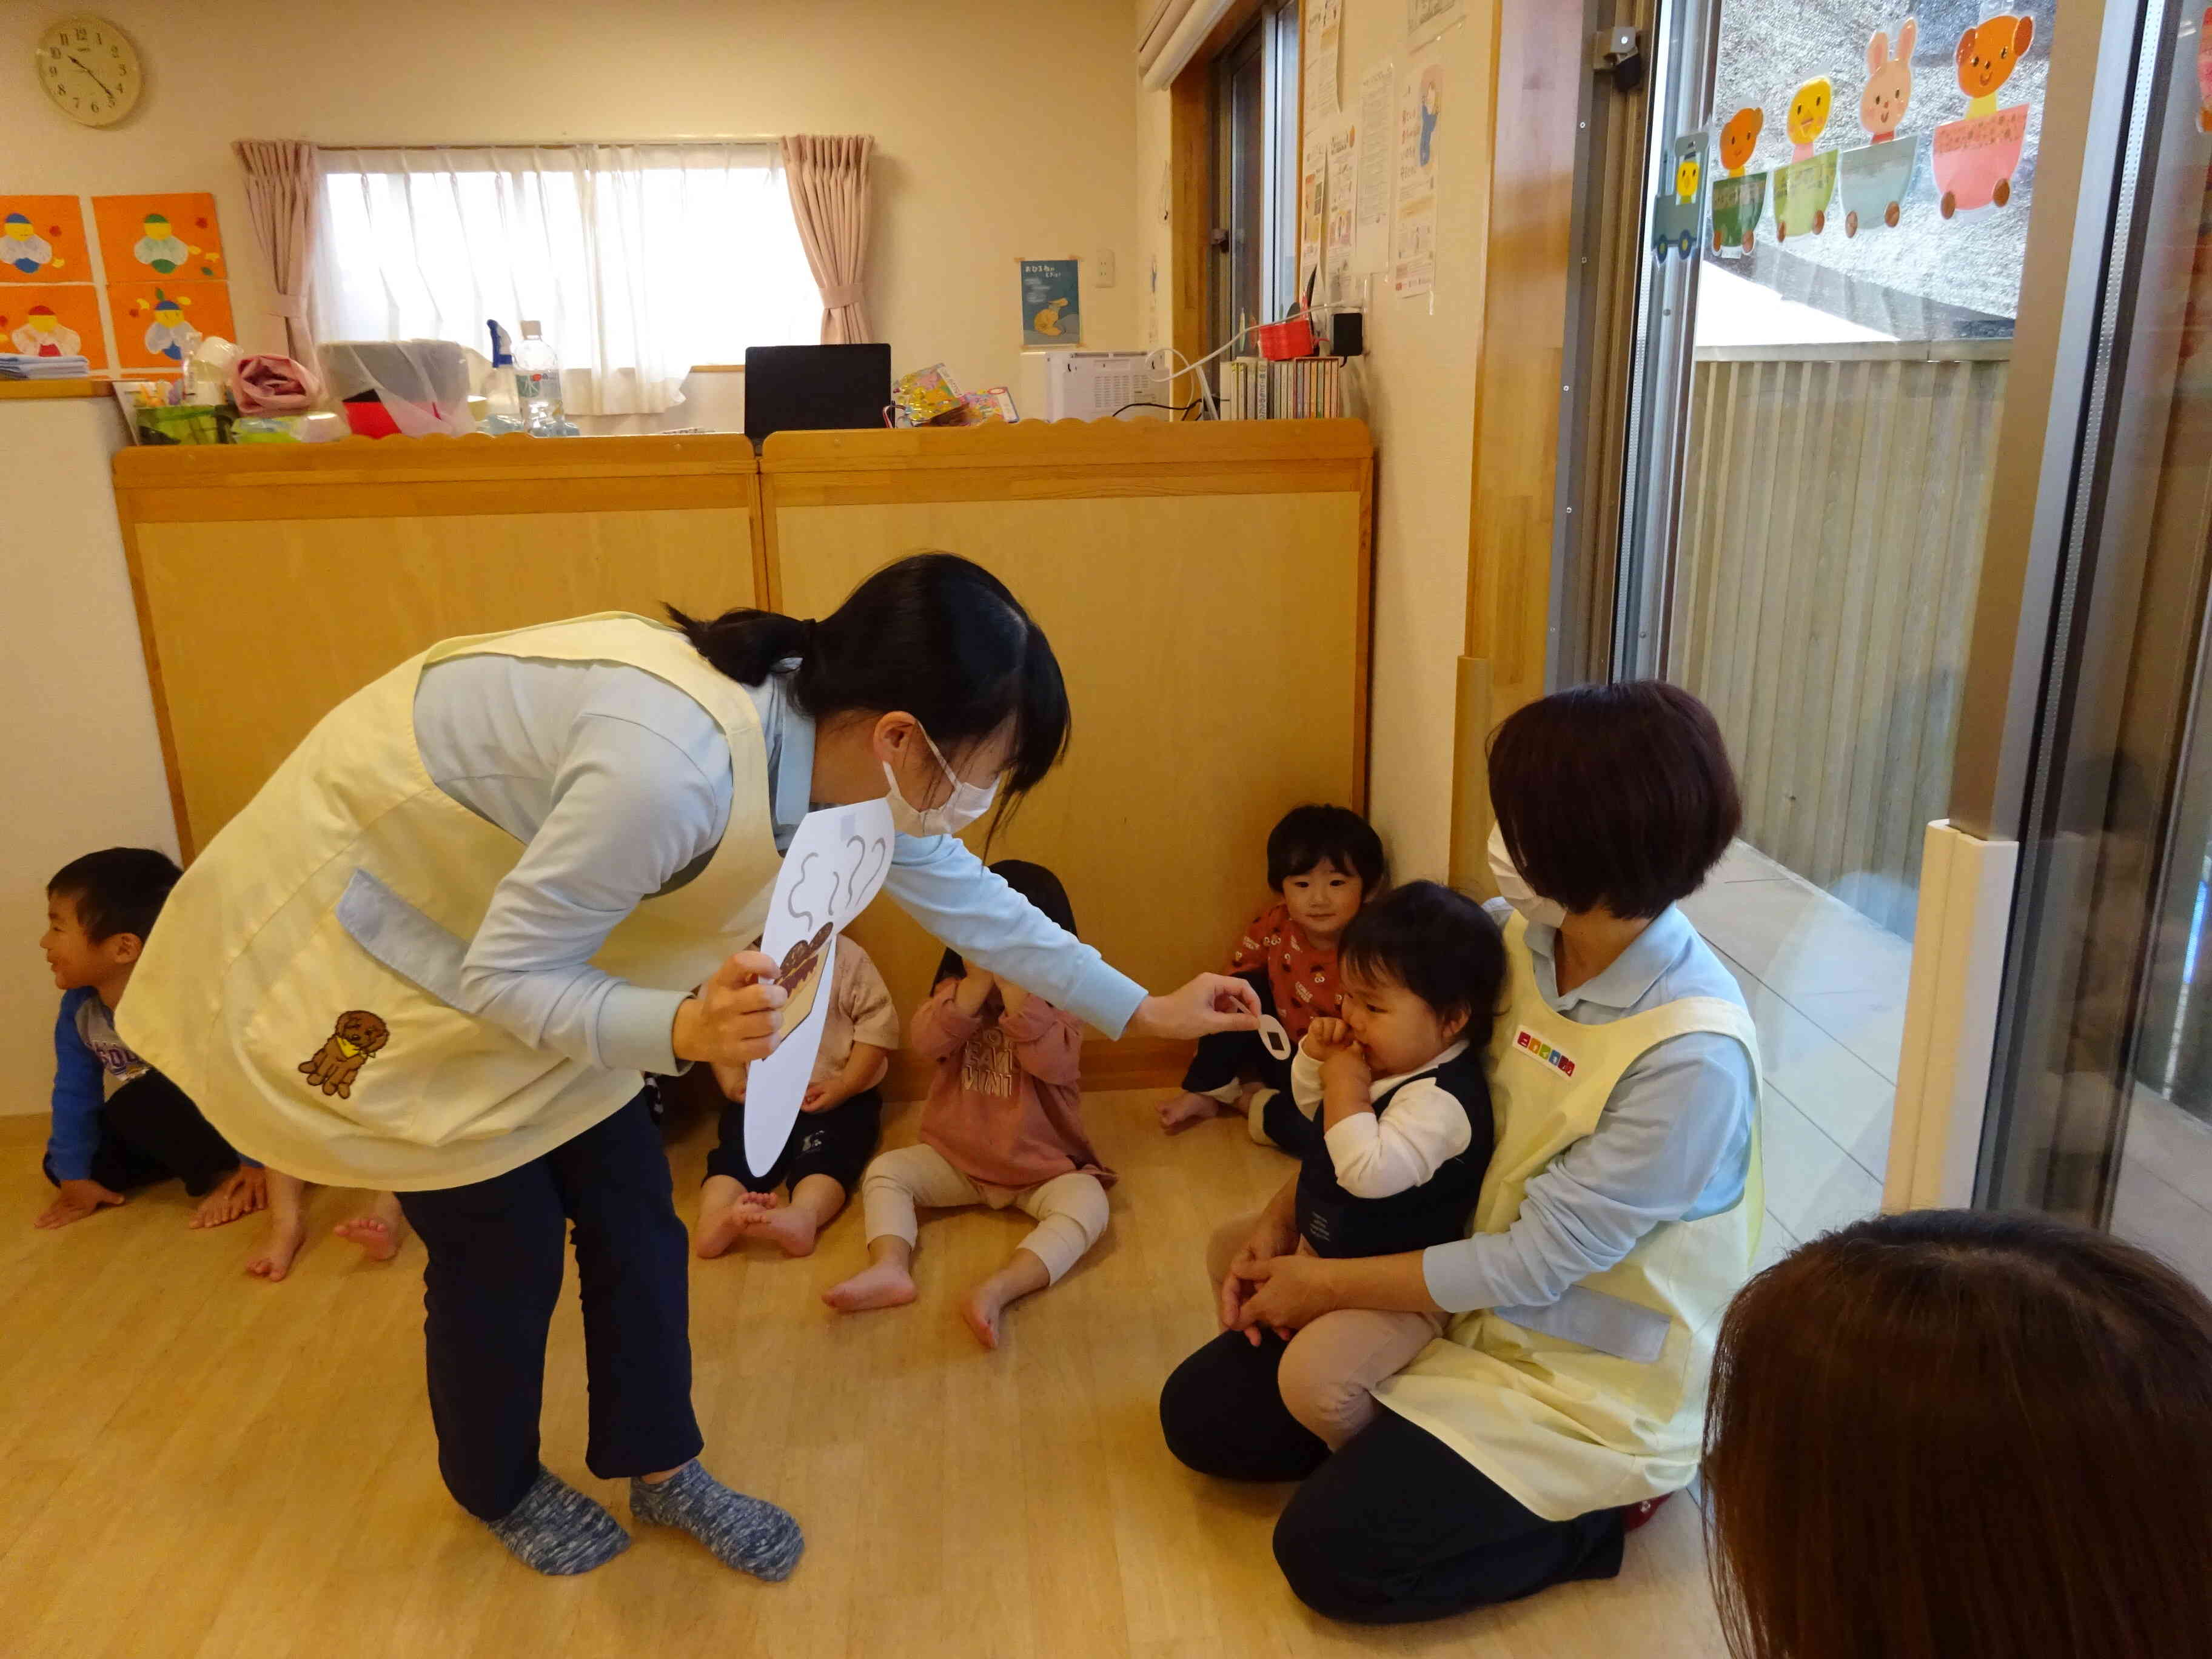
point(1618, 1214)
point(440, 948)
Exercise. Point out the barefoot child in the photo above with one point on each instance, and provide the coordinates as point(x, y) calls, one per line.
point(835, 1133)
point(380, 1230)
point(1323, 862)
point(1003, 1125)
point(118, 1123)
point(1406, 1136)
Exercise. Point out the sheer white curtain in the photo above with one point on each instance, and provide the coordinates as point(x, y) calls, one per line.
point(640, 260)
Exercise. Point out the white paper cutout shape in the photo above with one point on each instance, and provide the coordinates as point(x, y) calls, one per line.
point(836, 864)
point(1273, 1039)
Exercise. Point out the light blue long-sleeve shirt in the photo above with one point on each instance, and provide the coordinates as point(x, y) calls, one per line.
point(620, 787)
point(1672, 1144)
point(80, 1089)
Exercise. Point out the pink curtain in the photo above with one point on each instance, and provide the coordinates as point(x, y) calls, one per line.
point(829, 183)
point(281, 199)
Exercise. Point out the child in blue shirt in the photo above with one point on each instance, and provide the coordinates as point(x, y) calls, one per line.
point(118, 1123)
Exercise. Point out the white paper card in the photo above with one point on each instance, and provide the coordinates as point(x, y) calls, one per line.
point(1273, 1039)
point(836, 864)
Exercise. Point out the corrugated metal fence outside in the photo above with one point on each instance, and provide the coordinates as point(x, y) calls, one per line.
point(1837, 498)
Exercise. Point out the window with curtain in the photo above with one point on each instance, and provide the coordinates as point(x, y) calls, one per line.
point(637, 260)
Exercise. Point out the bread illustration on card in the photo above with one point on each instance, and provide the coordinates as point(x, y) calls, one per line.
point(800, 976)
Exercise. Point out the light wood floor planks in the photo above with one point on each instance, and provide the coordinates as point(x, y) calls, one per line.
point(192, 1463)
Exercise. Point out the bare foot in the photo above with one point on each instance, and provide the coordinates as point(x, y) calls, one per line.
point(881, 1285)
point(278, 1247)
point(980, 1308)
point(240, 1193)
point(725, 1211)
point(791, 1227)
point(1185, 1110)
point(380, 1233)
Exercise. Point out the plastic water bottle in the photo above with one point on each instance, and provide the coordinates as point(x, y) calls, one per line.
point(502, 414)
point(537, 387)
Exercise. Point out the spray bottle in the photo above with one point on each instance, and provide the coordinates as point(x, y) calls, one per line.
point(501, 412)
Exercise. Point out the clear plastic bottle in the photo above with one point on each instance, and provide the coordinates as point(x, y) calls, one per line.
point(538, 385)
point(502, 413)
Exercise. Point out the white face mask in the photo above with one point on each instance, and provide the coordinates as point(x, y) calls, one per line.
point(967, 803)
point(1543, 912)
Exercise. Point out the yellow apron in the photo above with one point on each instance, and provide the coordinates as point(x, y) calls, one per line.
point(302, 986)
point(1598, 1400)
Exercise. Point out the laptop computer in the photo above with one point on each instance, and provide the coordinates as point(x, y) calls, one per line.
point(815, 388)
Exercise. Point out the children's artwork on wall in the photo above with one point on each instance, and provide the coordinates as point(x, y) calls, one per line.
point(2204, 71)
point(1738, 201)
point(1810, 107)
point(1739, 138)
point(835, 865)
point(1803, 190)
point(1872, 182)
point(1677, 212)
point(56, 320)
point(158, 324)
point(1888, 92)
point(1975, 159)
point(42, 240)
point(174, 234)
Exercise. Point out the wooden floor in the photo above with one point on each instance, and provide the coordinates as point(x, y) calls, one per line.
point(195, 1463)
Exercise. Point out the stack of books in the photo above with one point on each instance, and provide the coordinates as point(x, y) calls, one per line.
point(15, 366)
point(1304, 388)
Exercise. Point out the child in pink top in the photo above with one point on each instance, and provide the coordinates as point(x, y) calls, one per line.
point(1003, 1125)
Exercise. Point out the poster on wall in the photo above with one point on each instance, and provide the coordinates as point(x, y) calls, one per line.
point(53, 319)
point(42, 239)
point(158, 324)
point(1052, 313)
point(1427, 19)
point(1371, 225)
point(173, 234)
point(1323, 43)
point(1313, 212)
point(1413, 238)
point(1343, 203)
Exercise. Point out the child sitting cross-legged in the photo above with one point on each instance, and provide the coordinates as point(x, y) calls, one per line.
point(831, 1143)
point(1403, 1106)
point(1003, 1125)
point(1324, 862)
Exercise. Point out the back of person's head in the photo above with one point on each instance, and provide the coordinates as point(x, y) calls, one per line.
point(1034, 883)
point(933, 635)
point(1955, 1435)
point(119, 890)
point(1616, 797)
point(1437, 943)
point(1305, 836)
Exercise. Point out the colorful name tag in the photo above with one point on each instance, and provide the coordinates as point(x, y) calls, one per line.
point(1527, 1040)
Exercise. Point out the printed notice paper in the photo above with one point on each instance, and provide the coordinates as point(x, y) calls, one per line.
point(1324, 37)
point(1343, 187)
point(1413, 243)
point(1372, 226)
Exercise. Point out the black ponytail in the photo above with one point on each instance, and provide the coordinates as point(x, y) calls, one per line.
point(745, 645)
point(935, 635)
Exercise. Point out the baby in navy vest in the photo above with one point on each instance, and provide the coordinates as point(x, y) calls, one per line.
point(1398, 1087)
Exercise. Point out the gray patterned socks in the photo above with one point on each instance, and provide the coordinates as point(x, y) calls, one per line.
point(557, 1529)
point(745, 1533)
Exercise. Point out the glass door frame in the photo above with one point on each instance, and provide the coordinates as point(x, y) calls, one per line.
point(2105, 658)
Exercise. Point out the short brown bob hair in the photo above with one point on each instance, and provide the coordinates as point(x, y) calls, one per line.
point(1957, 1435)
point(1617, 797)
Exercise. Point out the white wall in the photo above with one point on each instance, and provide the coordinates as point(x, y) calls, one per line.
point(1418, 377)
point(1003, 128)
point(83, 762)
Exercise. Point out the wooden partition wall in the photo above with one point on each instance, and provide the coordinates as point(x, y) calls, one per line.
point(1204, 587)
point(273, 581)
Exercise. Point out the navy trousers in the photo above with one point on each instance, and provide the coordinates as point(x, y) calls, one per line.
point(497, 1254)
point(1395, 1526)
